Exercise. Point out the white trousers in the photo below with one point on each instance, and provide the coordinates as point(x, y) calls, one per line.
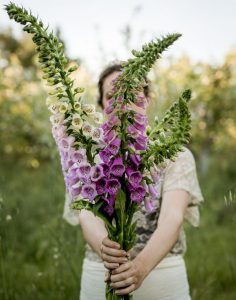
point(168, 281)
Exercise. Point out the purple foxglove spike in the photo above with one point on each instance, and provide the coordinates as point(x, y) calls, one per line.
point(105, 155)
point(97, 173)
point(84, 170)
point(100, 186)
point(112, 186)
point(89, 191)
point(153, 192)
point(137, 195)
point(149, 204)
point(117, 167)
point(114, 146)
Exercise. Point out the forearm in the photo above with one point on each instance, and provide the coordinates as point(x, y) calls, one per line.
point(93, 229)
point(160, 243)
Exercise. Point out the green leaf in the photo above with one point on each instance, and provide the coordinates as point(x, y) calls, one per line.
point(120, 201)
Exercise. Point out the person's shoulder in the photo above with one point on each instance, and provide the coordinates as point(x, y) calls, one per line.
point(183, 157)
point(186, 153)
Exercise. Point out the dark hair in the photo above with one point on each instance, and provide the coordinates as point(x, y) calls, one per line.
point(116, 67)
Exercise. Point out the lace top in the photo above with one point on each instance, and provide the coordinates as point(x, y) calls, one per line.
point(178, 174)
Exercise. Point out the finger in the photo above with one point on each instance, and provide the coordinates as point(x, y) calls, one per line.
point(110, 266)
point(109, 243)
point(124, 283)
point(125, 291)
point(107, 276)
point(113, 259)
point(113, 252)
point(123, 267)
point(122, 276)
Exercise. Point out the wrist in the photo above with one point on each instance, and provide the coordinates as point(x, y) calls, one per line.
point(142, 265)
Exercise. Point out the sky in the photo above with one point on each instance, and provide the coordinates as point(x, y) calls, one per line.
point(92, 30)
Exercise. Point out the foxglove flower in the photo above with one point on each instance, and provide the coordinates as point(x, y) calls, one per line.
point(57, 119)
point(112, 186)
point(87, 129)
point(97, 173)
point(114, 146)
point(137, 194)
point(117, 167)
point(67, 142)
point(134, 132)
point(134, 177)
point(97, 117)
point(84, 170)
point(77, 121)
point(153, 192)
point(135, 159)
point(109, 136)
point(78, 155)
point(63, 107)
point(89, 191)
point(100, 186)
point(105, 155)
point(97, 134)
point(149, 204)
point(88, 108)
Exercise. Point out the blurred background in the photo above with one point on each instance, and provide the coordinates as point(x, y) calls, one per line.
point(41, 254)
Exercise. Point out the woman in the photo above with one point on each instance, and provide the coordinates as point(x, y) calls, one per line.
point(155, 268)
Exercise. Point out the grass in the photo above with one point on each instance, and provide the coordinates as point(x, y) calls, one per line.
point(41, 255)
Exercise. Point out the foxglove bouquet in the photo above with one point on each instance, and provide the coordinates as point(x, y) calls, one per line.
point(109, 167)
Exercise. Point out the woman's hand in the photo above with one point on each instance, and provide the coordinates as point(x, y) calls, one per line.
point(128, 277)
point(111, 254)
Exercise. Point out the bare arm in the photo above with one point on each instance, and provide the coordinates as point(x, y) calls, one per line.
point(93, 229)
point(129, 276)
point(170, 221)
point(95, 234)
